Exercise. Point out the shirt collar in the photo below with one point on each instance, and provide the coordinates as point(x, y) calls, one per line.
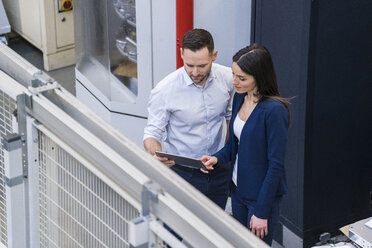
point(186, 77)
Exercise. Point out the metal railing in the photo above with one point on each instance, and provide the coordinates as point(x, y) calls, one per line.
point(7, 106)
point(85, 184)
point(87, 212)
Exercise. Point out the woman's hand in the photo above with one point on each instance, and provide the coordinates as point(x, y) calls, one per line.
point(209, 162)
point(258, 226)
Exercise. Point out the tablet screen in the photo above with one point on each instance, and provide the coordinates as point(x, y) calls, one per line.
point(183, 161)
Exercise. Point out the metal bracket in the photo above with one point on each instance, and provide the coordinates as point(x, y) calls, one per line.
point(138, 235)
point(23, 101)
point(138, 232)
point(11, 142)
point(50, 86)
point(41, 83)
point(150, 192)
point(40, 78)
point(10, 182)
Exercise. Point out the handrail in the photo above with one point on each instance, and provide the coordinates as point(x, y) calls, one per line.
point(17, 67)
point(125, 174)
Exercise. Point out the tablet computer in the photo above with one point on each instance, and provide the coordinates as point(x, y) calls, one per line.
point(183, 161)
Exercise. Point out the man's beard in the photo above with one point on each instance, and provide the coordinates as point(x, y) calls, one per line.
point(199, 80)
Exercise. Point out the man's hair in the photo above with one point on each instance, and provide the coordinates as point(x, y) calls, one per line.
point(196, 39)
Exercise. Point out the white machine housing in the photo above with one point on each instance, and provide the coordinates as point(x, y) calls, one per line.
point(43, 24)
point(120, 103)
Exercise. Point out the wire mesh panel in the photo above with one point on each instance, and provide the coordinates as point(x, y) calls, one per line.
point(77, 209)
point(7, 106)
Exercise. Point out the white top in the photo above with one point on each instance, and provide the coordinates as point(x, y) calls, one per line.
point(238, 127)
point(187, 118)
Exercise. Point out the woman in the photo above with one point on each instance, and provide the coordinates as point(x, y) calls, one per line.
point(256, 146)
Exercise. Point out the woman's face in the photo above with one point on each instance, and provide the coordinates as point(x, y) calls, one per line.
point(243, 82)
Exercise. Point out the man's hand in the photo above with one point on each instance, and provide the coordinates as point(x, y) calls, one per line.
point(209, 162)
point(258, 226)
point(151, 145)
point(165, 161)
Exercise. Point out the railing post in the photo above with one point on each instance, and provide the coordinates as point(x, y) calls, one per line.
point(139, 227)
point(142, 230)
point(15, 191)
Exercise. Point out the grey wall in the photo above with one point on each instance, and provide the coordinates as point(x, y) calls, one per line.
point(229, 22)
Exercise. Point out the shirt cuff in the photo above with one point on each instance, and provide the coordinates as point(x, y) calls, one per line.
point(146, 136)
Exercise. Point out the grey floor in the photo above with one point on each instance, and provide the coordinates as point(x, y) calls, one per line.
point(64, 76)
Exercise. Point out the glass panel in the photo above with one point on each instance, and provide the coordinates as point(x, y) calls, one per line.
point(123, 44)
point(90, 17)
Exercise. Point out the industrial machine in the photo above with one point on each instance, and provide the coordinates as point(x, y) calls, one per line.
point(125, 47)
point(48, 25)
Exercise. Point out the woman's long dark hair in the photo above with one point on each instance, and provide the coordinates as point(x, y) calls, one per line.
point(256, 61)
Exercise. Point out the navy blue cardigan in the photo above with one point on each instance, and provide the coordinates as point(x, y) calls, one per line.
point(261, 175)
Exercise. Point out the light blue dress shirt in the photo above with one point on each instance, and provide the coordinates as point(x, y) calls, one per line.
point(187, 119)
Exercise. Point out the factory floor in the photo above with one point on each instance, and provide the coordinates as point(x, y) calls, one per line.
point(64, 76)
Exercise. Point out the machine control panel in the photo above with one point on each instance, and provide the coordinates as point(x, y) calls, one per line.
point(64, 5)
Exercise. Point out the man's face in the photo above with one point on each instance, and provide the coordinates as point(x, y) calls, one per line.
point(198, 64)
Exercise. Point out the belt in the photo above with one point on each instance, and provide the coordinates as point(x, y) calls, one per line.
point(187, 169)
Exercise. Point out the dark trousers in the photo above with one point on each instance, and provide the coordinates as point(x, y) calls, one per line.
point(214, 185)
point(243, 210)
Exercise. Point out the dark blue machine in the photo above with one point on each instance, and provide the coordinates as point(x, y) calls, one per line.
point(322, 54)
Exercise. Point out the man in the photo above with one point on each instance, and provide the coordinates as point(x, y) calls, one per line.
point(187, 112)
